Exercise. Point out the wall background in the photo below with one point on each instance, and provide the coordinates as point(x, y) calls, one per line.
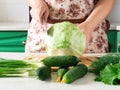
point(114, 16)
point(13, 11)
point(17, 11)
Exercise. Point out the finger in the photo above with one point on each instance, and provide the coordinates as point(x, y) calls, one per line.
point(41, 17)
point(46, 15)
point(86, 45)
point(86, 48)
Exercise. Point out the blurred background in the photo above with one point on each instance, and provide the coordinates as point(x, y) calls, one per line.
point(14, 22)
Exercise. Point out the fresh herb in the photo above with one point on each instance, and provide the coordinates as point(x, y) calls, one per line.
point(110, 74)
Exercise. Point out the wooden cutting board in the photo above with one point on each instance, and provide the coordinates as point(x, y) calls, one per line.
point(85, 58)
point(88, 58)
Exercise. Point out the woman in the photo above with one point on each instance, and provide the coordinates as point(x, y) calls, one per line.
point(89, 15)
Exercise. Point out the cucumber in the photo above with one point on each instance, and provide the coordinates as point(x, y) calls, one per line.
point(60, 73)
point(75, 73)
point(61, 61)
point(97, 65)
point(43, 72)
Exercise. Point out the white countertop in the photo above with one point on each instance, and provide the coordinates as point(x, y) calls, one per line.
point(85, 83)
point(23, 26)
point(8, 26)
point(115, 26)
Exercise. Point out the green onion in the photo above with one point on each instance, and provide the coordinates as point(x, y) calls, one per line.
point(17, 68)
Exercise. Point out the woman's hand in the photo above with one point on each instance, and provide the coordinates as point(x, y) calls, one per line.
point(40, 11)
point(88, 31)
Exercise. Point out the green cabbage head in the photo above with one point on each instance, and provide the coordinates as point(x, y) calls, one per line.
point(65, 38)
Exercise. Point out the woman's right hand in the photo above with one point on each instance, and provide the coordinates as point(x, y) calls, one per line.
point(40, 11)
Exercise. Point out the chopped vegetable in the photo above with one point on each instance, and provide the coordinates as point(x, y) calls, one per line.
point(75, 73)
point(60, 61)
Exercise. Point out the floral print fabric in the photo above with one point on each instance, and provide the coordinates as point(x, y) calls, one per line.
point(67, 10)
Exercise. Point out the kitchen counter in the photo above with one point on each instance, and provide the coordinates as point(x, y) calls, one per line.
point(14, 26)
point(114, 26)
point(23, 26)
point(31, 83)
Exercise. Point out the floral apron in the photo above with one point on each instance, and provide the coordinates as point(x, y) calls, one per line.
point(75, 11)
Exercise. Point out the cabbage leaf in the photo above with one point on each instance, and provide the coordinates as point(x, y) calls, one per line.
point(65, 38)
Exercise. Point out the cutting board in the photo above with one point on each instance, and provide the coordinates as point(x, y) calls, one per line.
point(85, 58)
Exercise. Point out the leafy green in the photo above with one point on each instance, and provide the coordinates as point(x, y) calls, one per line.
point(110, 74)
point(16, 68)
point(99, 64)
point(65, 39)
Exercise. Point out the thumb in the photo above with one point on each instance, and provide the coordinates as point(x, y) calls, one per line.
point(46, 15)
point(86, 45)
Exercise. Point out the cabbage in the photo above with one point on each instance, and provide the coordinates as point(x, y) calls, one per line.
point(65, 38)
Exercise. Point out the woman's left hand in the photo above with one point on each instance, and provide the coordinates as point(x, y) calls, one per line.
point(88, 31)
